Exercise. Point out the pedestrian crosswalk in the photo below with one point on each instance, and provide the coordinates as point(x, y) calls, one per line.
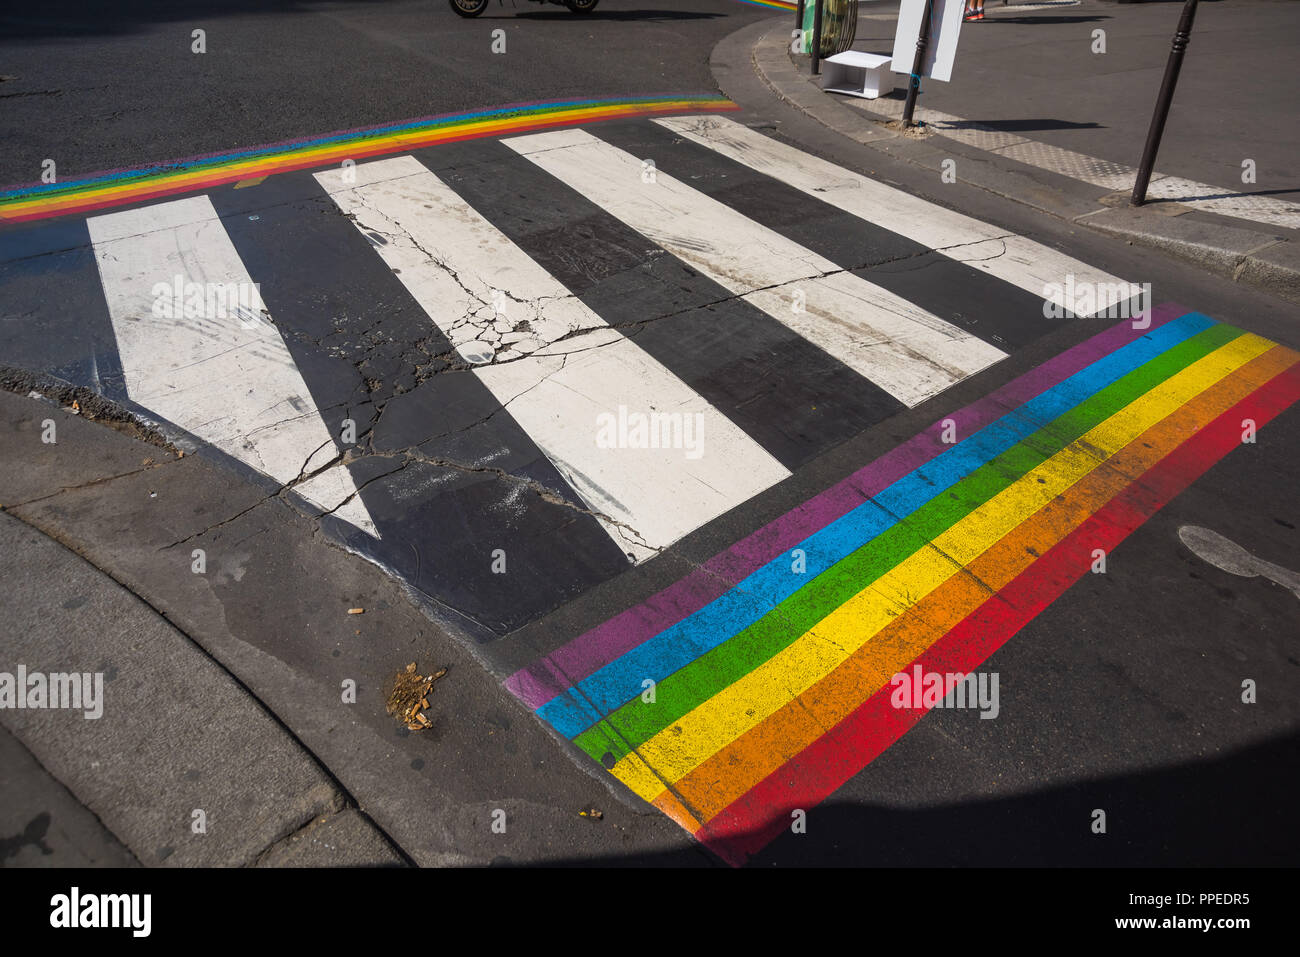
point(510, 369)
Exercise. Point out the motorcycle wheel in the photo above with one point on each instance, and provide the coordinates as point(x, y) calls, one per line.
point(468, 8)
point(581, 6)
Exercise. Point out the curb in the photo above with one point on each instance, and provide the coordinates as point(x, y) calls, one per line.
point(1268, 261)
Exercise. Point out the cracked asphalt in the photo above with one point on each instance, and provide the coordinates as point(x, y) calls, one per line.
point(276, 616)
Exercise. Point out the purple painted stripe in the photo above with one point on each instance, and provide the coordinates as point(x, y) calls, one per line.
point(541, 681)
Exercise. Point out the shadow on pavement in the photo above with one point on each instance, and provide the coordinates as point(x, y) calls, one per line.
point(1021, 126)
point(1225, 812)
point(1078, 19)
point(1233, 194)
point(74, 18)
point(551, 12)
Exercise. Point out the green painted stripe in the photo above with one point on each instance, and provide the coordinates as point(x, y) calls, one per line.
point(635, 722)
point(218, 162)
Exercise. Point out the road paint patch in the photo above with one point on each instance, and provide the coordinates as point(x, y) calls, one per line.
point(1226, 555)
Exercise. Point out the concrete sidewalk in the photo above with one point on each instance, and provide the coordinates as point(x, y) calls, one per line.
point(1033, 73)
point(175, 764)
point(1036, 116)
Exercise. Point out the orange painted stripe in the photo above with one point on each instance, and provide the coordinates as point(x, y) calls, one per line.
point(171, 184)
point(732, 771)
point(91, 197)
point(745, 827)
point(678, 812)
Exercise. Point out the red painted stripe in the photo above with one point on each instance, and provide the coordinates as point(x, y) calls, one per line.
point(431, 124)
point(754, 820)
point(276, 165)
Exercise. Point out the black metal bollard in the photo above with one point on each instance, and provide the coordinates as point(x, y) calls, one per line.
point(1163, 101)
point(817, 38)
point(914, 82)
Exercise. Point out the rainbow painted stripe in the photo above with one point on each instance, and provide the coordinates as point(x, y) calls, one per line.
point(118, 187)
point(771, 4)
point(935, 554)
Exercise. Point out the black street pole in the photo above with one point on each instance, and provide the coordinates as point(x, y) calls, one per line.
point(914, 84)
point(798, 16)
point(1163, 101)
point(817, 38)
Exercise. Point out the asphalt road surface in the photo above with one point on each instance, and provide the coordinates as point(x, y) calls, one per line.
point(99, 86)
point(903, 455)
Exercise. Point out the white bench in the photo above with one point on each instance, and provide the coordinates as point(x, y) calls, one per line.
point(858, 74)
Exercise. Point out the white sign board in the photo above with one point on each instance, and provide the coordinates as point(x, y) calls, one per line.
point(942, 48)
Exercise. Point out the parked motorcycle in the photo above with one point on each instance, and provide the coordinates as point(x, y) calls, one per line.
point(472, 8)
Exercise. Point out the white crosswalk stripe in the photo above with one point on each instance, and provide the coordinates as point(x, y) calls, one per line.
point(909, 352)
point(1022, 262)
point(197, 348)
point(579, 388)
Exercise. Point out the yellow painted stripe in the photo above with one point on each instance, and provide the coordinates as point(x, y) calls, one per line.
point(731, 772)
point(675, 751)
point(325, 153)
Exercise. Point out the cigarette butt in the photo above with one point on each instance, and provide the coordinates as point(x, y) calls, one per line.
point(356, 611)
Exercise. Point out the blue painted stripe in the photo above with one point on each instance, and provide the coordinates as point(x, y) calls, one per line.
point(432, 123)
point(620, 681)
